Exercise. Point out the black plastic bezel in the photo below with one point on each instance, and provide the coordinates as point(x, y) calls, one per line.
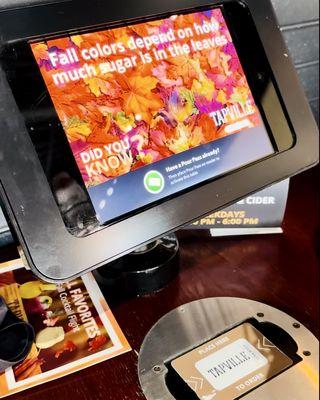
point(51, 251)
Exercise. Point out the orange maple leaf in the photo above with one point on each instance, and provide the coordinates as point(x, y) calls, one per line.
point(184, 67)
point(146, 28)
point(139, 97)
point(40, 51)
point(209, 129)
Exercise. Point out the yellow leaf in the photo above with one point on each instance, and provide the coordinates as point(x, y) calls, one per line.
point(80, 130)
point(240, 95)
point(204, 87)
point(196, 137)
point(77, 40)
point(40, 51)
point(97, 86)
point(186, 138)
point(124, 123)
point(146, 158)
point(184, 67)
point(222, 97)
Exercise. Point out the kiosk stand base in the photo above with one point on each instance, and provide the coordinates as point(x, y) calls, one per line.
point(183, 341)
point(142, 272)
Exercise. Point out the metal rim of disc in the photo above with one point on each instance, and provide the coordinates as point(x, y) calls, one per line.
point(195, 323)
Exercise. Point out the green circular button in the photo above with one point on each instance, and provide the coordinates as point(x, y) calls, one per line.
point(154, 182)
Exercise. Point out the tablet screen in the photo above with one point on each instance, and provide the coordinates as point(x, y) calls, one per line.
point(154, 108)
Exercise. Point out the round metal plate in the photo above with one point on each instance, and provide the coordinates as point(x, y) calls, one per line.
point(193, 324)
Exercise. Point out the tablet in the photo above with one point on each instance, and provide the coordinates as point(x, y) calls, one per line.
point(139, 126)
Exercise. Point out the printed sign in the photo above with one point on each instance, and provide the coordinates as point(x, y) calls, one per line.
point(260, 213)
point(231, 365)
point(73, 324)
point(239, 359)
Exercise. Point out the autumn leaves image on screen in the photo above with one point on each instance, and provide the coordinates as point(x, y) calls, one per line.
point(132, 96)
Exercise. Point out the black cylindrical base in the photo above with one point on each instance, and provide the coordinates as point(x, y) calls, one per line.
point(142, 272)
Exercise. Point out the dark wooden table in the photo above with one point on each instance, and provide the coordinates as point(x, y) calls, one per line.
point(280, 270)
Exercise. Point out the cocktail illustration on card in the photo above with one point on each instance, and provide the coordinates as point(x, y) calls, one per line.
point(74, 327)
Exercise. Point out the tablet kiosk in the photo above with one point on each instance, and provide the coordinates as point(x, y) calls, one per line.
point(121, 124)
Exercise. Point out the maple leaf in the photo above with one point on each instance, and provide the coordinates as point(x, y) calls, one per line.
point(139, 97)
point(161, 73)
point(224, 62)
point(77, 40)
point(184, 67)
point(124, 123)
point(101, 133)
point(149, 156)
point(159, 136)
point(186, 139)
point(204, 87)
point(209, 129)
point(63, 43)
point(196, 137)
point(185, 21)
point(69, 100)
point(77, 129)
point(40, 51)
point(240, 95)
point(222, 97)
point(146, 28)
point(97, 86)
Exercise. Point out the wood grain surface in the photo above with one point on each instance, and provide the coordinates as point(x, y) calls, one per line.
point(280, 270)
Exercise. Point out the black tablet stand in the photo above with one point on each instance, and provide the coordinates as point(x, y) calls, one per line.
point(142, 272)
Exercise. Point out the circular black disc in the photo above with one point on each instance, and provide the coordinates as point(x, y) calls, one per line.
point(142, 272)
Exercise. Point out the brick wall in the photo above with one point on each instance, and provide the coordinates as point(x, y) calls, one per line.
point(300, 25)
